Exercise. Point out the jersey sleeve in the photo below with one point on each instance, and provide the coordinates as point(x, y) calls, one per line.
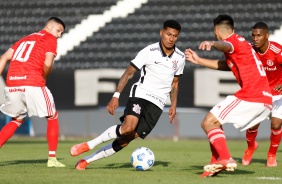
point(179, 72)
point(51, 45)
point(141, 58)
point(279, 57)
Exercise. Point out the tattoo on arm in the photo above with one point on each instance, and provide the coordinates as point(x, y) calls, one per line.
point(222, 46)
point(125, 77)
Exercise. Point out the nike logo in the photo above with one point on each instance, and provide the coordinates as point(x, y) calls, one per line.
point(157, 62)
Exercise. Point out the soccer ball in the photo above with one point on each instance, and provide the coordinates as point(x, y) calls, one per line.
point(142, 158)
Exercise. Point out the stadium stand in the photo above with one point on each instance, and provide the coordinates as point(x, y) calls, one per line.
point(115, 44)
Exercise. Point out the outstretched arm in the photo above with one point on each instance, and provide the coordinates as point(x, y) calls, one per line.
point(216, 64)
point(113, 104)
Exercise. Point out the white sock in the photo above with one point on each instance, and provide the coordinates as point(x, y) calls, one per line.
point(109, 134)
point(104, 152)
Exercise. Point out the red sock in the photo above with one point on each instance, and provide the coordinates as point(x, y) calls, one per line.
point(52, 134)
point(217, 139)
point(275, 139)
point(8, 131)
point(215, 155)
point(251, 137)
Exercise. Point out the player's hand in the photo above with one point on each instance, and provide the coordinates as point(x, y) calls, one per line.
point(112, 105)
point(191, 56)
point(206, 45)
point(278, 88)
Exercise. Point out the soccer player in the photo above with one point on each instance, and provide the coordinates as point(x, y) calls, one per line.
point(248, 106)
point(269, 53)
point(160, 64)
point(31, 61)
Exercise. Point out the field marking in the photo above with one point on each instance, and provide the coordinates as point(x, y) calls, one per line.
point(268, 178)
point(93, 23)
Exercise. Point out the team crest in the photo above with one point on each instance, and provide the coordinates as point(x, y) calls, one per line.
point(269, 62)
point(136, 108)
point(174, 64)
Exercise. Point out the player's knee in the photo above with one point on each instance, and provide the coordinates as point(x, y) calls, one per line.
point(18, 122)
point(126, 129)
point(55, 116)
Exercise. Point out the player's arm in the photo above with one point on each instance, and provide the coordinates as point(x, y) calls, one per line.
point(173, 98)
point(7, 56)
point(48, 64)
point(216, 64)
point(113, 104)
point(219, 45)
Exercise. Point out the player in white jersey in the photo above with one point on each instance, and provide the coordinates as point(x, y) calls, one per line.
point(161, 64)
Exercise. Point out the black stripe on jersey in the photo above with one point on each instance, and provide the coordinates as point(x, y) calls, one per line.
point(132, 64)
point(144, 70)
point(134, 90)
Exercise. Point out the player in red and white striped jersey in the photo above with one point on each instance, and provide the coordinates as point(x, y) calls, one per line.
point(31, 61)
point(270, 54)
point(248, 106)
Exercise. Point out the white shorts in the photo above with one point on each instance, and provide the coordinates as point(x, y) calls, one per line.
point(277, 106)
point(36, 101)
point(240, 113)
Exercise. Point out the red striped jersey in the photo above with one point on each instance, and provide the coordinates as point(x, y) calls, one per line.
point(27, 64)
point(272, 60)
point(248, 70)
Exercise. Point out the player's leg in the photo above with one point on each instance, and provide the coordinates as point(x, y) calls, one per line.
point(276, 132)
point(40, 102)
point(9, 129)
point(251, 135)
point(52, 139)
point(14, 106)
point(113, 132)
point(107, 150)
point(275, 139)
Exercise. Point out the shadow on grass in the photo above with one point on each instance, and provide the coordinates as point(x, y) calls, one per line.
point(254, 160)
point(128, 165)
point(236, 172)
point(19, 162)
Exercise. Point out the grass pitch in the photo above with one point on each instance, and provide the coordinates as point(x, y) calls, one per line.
point(23, 160)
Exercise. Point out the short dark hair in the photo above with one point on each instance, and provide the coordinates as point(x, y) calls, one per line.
point(260, 25)
point(172, 24)
point(224, 19)
point(58, 20)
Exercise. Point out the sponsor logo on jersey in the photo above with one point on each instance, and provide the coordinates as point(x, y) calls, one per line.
point(157, 99)
point(270, 68)
point(16, 90)
point(154, 49)
point(17, 77)
point(136, 108)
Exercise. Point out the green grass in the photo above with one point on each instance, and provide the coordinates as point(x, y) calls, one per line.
point(23, 160)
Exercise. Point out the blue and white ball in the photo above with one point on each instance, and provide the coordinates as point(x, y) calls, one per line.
point(142, 158)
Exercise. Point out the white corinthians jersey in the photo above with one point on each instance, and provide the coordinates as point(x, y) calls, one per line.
point(157, 73)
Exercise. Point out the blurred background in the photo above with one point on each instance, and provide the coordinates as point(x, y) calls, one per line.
point(103, 36)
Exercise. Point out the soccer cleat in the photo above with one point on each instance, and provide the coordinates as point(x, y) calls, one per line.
point(248, 156)
point(228, 165)
point(79, 148)
point(209, 174)
point(81, 165)
point(53, 162)
point(271, 161)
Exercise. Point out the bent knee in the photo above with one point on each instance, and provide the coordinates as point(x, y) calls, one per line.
point(54, 116)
